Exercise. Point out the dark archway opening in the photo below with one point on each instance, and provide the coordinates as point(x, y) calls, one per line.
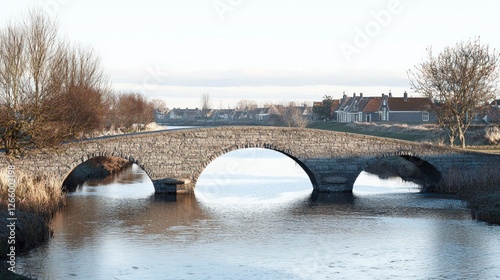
point(409, 172)
point(429, 175)
point(103, 170)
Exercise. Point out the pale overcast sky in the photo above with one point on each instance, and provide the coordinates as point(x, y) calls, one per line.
point(264, 50)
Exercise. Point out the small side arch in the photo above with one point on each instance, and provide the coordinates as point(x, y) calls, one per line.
point(87, 157)
point(427, 176)
point(273, 147)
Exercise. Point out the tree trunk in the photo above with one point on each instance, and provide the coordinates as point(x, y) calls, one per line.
point(462, 139)
point(452, 140)
point(461, 136)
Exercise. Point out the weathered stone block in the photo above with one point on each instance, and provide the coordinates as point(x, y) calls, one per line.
point(335, 180)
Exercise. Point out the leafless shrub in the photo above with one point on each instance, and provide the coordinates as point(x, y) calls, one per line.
point(290, 115)
point(492, 134)
point(131, 111)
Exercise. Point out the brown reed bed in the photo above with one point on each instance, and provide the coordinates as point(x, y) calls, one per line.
point(41, 195)
point(481, 190)
point(32, 201)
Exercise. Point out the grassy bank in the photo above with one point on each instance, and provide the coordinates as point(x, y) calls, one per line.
point(480, 190)
point(430, 133)
point(418, 133)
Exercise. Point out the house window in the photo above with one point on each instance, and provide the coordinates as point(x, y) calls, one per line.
point(425, 116)
point(385, 114)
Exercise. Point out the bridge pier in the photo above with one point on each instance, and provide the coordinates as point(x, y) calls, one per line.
point(334, 184)
point(173, 186)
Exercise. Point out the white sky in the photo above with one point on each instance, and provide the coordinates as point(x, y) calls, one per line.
point(264, 50)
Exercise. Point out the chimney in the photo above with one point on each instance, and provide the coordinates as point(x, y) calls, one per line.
point(354, 95)
point(361, 95)
point(384, 99)
point(390, 94)
point(405, 96)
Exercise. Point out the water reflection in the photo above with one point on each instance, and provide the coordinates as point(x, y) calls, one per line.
point(130, 183)
point(368, 183)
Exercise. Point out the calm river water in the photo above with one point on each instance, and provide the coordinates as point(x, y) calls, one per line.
point(242, 226)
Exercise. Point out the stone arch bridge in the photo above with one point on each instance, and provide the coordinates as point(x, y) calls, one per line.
point(174, 159)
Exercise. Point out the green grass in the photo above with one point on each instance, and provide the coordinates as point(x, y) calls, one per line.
point(342, 127)
point(488, 150)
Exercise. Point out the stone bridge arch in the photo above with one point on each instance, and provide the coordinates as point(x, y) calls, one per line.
point(80, 160)
point(429, 175)
point(268, 146)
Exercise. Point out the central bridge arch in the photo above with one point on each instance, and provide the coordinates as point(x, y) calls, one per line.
point(266, 146)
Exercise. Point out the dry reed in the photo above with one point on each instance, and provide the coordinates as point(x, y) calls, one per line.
point(42, 195)
point(481, 190)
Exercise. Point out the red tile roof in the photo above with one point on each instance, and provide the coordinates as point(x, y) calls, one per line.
point(335, 104)
point(410, 104)
point(373, 105)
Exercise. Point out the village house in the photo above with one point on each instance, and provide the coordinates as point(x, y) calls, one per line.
point(222, 114)
point(491, 114)
point(385, 108)
point(178, 114)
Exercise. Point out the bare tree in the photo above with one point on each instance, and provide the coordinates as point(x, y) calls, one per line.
point(291, 115)
point(246, 104)
point(205, 104)
point(43, 83)
point(12, 71)
point(160, 105)
point(132, 111)
point(83, 87)
point(460, 81)
point(27, 51)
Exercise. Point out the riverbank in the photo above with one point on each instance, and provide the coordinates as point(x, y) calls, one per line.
point(27, 205)
point(33, 202)
point(31, 230)
point(480, 190)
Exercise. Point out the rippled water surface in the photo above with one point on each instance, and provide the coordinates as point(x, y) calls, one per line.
point(242, 226)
